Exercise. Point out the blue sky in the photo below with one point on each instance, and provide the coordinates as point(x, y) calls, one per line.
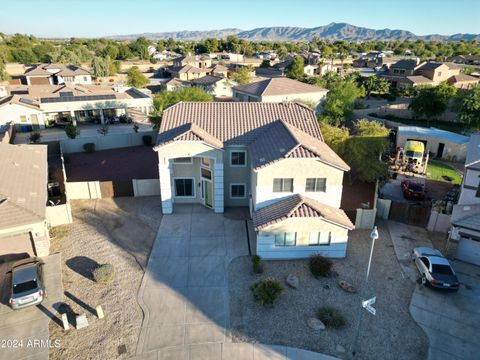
point(90, 18)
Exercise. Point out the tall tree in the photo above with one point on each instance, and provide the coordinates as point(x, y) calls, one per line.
point(375, 84)
point(467, 105)
point(432, 102)
point(135, 78)
point(294, 70)
point(242, 75)
point(340, 102)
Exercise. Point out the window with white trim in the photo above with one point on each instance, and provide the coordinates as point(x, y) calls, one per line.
point(316, 185)
point(286, 239)
point(182, 160)
point(238, 158)
point(320, 238)
point(184, 187)
point(237, 191)
point(283, 185)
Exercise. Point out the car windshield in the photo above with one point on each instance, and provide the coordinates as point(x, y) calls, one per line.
point(442, 269)
point(25, 286)
point(415, 187)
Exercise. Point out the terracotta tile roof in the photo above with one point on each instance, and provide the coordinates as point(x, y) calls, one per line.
point(419, 79)
point(64, 70)
point(284, 141)
point(463, 78)
point(278, 86)
point(186, 69)
point(207, 80)
point(236, 122)
point(23, 184)
point(297, 206)
point(190, 132)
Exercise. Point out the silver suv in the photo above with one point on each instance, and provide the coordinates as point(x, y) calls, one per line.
point(27, 283)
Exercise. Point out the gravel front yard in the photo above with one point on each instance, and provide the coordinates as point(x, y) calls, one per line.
point(391, 334)
point(115, 231)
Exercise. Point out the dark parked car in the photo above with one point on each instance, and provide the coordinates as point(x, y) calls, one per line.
point(27, 283)
point(412, 190)
point(434, 269)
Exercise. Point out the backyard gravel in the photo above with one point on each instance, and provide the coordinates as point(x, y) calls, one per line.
point(115, 231)
point(391, 334)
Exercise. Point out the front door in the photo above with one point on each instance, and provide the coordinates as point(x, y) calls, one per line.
point(207, 185)
point(441, 147)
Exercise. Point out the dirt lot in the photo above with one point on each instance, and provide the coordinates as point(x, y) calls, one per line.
point(391, 334)
point(120, 232)
point(110, 165)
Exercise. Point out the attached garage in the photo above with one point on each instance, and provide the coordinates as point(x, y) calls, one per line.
point(467, 232)
point(17, 244)
point(468, 250)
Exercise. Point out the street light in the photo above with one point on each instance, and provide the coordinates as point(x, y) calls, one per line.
point(373, 236)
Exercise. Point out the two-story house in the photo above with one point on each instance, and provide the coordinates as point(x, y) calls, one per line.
point(466, 214)
point(57, 74)
point(270, 157)
point(198, 61)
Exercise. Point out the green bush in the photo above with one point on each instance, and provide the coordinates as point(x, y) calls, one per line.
point(320, 266)
point(147, 140)
point(331, 317)
point(71, 131)
point(104, 274)
point(257, 264)
point(266, 291)
point(89, 147)
point(35, 137)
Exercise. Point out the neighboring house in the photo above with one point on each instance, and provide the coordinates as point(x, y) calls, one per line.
point(57, 74)
point(310, 70)
point(465, 59)
point(35, 106)
point(219, 70)
point(466, 214)
point(278, 90)
point(398, 72)
point(216, 86)
point(198, 61)
point(187, 72)
point(463, 81)
point(441, 144)
point(268, 156)
point(174, 84)
point(23, 199)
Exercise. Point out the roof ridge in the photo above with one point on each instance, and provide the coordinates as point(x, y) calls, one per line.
point(300, 203)
point(269, 82)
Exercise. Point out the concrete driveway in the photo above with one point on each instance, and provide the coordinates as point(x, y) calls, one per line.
point(184, 293)
point(450, 320)
point(28, 325)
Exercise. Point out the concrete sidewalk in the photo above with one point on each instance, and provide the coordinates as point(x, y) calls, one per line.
point(184, 292)
point(450, 320)
point(31, 324)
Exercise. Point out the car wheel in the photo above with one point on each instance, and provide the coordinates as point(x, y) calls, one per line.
point(424, 280)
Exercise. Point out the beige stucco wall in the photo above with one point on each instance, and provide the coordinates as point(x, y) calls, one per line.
point(299, 170)
point(13, 112)
point(470, 184)
point(39, 233)
point(236, 175)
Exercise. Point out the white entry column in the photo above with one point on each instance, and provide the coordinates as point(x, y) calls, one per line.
point(165, 187)
point(218, 188)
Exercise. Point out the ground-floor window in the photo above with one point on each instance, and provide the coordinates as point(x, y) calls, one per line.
point(184, 187)
point(237, 191)
point(286, 239)
point(319, 238)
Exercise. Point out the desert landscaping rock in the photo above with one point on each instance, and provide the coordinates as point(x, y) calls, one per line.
point(315, 324)
point(292, 281)
point(384, 336)
point(347, 286)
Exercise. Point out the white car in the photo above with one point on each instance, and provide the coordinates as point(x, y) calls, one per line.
point(434, 269)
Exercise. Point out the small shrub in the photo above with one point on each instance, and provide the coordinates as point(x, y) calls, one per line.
point(320, 266)
point(331, 317)
point(35, 137)
point(89, 147)
point(266, 291)
point(71, 131)
point(103, 130)
point(257, 264)
point(104, 274)
point(58, 232)
point(147, 140)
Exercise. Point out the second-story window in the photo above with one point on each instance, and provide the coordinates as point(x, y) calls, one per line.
point(238, 158)
point(316, 185)
point(283, 185)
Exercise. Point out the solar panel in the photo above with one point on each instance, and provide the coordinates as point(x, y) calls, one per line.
point(26, 101)
point(66, 93)
point(77, 98)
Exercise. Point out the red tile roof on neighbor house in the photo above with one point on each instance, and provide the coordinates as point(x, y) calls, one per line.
point(298, 206)
point(278, 86)
point(272, 131)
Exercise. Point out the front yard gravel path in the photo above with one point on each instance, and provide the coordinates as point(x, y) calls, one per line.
point(391, 334)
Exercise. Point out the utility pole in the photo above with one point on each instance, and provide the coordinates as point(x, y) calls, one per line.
point(366, 304)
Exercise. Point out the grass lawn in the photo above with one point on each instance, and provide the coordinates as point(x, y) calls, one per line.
point(437, 170)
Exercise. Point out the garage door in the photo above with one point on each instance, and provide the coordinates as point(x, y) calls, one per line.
point(15, 245)
point(468, 250)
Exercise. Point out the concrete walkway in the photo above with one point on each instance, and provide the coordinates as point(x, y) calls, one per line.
point(450, 320)
point(184, 293)
point(28, 325)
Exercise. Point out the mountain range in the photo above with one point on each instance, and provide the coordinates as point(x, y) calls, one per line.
point(332, 31)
